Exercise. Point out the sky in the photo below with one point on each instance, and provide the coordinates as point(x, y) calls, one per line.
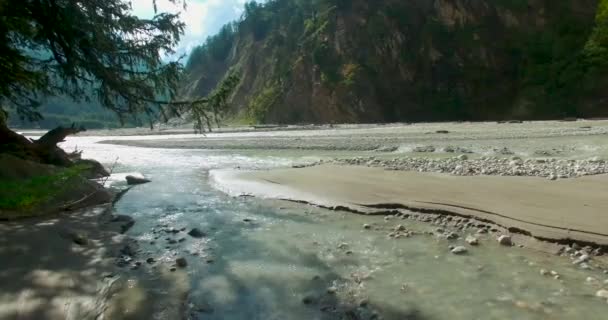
point(203, 18)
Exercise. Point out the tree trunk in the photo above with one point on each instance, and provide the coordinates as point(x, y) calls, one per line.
point(44, 150)
point(57, 135)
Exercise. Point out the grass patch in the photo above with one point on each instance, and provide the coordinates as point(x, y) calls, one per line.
point(27, 194)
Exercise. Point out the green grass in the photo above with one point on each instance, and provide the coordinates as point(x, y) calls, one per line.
point(25, 195)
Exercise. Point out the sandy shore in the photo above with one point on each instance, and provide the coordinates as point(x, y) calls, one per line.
point(57, 268)
point(553, 210)
point(65, 267)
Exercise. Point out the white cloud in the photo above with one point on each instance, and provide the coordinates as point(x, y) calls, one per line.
point(202, 17)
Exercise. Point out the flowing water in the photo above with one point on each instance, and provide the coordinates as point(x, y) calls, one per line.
point(265, 259)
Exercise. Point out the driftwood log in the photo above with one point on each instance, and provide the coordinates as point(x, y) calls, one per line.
point(43, 150)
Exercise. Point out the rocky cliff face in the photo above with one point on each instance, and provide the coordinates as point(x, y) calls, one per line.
point(418, 60)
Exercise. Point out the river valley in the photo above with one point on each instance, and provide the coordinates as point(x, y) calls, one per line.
point(271, 259)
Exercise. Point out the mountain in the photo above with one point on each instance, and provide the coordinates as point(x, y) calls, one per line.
point(419, 60)
point(63, 111)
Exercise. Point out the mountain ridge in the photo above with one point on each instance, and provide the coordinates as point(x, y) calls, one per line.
point(331, 61)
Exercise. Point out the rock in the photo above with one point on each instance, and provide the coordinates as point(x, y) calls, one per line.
point(196, 233)
point(181, 262)
point(452, 236)
point(332, 290)
point(400, 228)
point(459, 250)
point(125, 222)
point(471, 240)
point(602, 294)
point(597, 252)
point(591, 280)
point(133, 180)
point(80, 239)
point(424, 149)
point(150, 260)
point(92, 169)
point(77, 237)
point(309, 299)
point(463, 157)
point(442, 131)
point(127, 250)
point(582, 259)
point(363, 303)
point(387, 149)
point(367, 226)
point(544, 272)
point(343, 245)
point(505, 240)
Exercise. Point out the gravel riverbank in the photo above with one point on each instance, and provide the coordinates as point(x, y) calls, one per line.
point(551, 169)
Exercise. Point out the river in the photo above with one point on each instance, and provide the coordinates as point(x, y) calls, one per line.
point(267, 259)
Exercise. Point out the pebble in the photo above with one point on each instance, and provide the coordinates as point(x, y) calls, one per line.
point(181, 262)
point(602, 294)
point(459, 250)
point(452, 236)
point(367, 226)
point(308, 299)
point(332, 290)
point(505, 240)
point(472, 240)
point(363, 303)
point(583, 258)
point(544, 272)
point(196, 233)
point(591, 280)
point(150, 260)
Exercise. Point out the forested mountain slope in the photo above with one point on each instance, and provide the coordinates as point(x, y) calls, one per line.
point(417, 60)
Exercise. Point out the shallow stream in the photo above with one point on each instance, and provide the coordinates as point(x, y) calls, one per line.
point(266, 259)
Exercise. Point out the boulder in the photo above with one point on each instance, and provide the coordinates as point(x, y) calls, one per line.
point(133, 180)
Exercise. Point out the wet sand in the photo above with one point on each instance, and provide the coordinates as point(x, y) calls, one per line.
point(574, 209)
